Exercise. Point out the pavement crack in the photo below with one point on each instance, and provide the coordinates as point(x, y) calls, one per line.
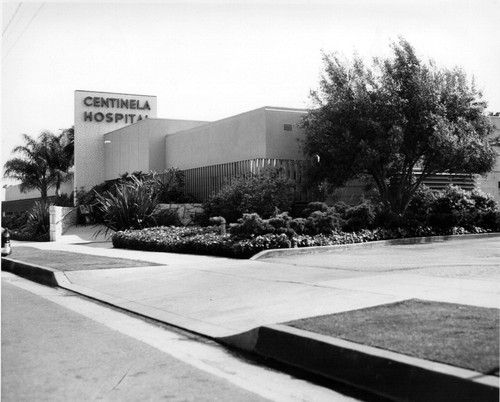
point(121, 379)
point(305, 284)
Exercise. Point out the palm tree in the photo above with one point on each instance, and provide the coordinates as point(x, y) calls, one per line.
point(42, 163)
point(30, 168)
point(68, 142)
point(60, 156)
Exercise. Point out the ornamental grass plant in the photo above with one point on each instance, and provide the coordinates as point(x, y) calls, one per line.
point(131, 205)
point(33, 225)
point(38, 222)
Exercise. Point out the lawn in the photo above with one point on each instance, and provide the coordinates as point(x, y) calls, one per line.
point(68, 261)
point(454, 334)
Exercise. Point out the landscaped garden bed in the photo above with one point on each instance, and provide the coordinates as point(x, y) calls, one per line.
point(454, 334)
point(449, 212)
point(208, 241)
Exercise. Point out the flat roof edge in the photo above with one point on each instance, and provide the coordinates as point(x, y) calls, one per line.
point(286, 109)
point(114, 93)
point(260, 109)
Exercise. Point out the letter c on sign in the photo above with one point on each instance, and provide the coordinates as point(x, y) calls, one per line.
point(88, 98)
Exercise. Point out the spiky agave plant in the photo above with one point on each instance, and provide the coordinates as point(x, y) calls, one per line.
point(130, 205)
point(38, 222)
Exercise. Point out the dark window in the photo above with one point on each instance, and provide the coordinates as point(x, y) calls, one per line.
point(287, 127)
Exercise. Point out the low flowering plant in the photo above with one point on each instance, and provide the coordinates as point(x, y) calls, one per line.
point(208, 241)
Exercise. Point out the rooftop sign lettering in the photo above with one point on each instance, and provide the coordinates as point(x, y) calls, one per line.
point(114, 103)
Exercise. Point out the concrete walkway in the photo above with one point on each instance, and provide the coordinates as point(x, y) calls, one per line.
point(229, 299)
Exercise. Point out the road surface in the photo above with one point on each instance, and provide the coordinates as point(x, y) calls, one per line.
point(57, 346)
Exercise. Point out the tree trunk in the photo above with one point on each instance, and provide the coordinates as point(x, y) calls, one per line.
point(43, 194)
point(58, 189)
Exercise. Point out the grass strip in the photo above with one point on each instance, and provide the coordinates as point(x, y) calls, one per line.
point(68, 261)
point(458, 335)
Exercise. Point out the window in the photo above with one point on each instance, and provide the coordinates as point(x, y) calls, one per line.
point(287, 127)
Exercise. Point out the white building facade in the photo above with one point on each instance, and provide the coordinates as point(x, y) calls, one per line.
point(120, 133)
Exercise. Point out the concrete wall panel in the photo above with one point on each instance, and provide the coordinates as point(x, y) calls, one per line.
point(140, 146)
point(283, 134)
point(236, 138)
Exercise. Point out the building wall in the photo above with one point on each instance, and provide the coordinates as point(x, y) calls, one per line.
point(157, 145)
point(125, 151)
point(13, 193)
point(233, 139)
point(283, 134)
point(140, 146)
point(89, 146)
point(491, 182)
point(210, 155)
point(15, 201)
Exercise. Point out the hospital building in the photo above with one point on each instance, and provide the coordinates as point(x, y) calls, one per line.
point(119, 133)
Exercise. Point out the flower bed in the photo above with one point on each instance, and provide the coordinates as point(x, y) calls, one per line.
point(208, 241)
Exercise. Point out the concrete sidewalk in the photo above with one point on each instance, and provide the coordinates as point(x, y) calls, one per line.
point(239, 302)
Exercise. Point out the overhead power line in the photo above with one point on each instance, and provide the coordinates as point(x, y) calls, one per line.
point(12, 18)
point(24, 30)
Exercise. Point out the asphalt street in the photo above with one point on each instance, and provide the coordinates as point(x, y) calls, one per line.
point(478, 259)
point(57, 346)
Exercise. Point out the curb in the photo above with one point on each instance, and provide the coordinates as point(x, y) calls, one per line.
point(33, 272)
point(388, 374)
point(378, 243)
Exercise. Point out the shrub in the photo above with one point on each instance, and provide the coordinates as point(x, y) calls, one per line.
point(15, 220)
point(251, 225)
point(341, 207)
point(21, 235)
point(387, 219)
point(298, 225)
point(485, 213)
point(281, 224)
point(421, 203)
point(165, 187)
point(90, 198)
point(313, 207)
point(166, 217)
point(206, 240)
point(451, 208)
point(170, 186)
point(457, 207)
point(262, 194)
point(323, 219)
point(359, 217)
point(33, 225)
point(323, 222)
point(444, 210)
point(132, 205)
point(64, 200)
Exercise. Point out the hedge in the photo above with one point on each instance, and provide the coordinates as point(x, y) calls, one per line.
point(208, 241)
point(21, 235)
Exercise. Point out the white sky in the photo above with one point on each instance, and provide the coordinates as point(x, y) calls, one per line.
point(208, 60)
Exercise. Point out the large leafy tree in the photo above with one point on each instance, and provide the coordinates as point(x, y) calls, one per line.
point(41, 163)
point(387, 121)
